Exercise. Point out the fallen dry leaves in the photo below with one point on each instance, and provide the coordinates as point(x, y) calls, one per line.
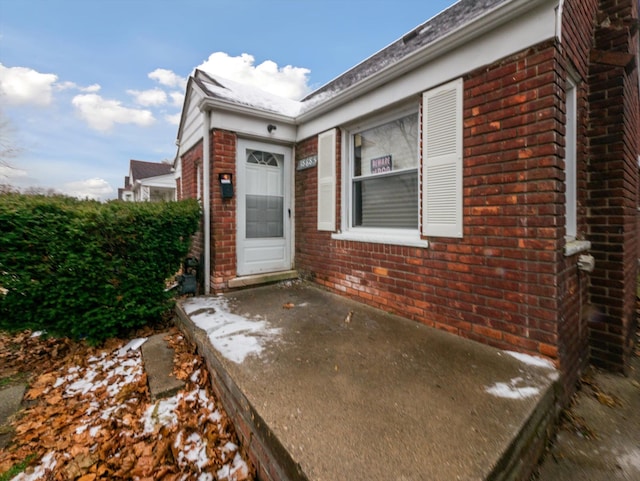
point(89, 416)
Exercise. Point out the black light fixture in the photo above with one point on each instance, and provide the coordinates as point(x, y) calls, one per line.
point(271, 128)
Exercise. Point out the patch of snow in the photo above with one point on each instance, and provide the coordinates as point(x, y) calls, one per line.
point(238, 469)
point(162, 413)
point(253, 96)
point(531, 360)
point(132, 345)
point(630, 461)
point(234, 336)
point(101, 371)
point(512, 390)
point(47, 464)
point(192, 450)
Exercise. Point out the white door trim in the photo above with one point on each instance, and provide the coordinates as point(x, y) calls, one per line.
point(243, 267)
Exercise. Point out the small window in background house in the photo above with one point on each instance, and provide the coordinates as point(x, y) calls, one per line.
point(384, 177)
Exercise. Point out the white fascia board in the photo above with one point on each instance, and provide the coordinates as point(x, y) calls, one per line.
point(167, 180)
point(508, 30)
point(216, 104)
point(248, 122)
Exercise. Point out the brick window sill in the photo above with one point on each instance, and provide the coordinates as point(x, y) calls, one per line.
point(574, 247)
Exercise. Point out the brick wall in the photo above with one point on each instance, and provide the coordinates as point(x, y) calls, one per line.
point(223, 211)
point(613, 181)
point(498, 284)
point(188, 189)
point(574, 305)
point(507, 283)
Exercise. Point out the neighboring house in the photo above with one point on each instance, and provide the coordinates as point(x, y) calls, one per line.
point(479, 175)
point(148, 181)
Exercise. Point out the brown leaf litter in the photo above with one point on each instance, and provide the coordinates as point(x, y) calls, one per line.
point(90, 416)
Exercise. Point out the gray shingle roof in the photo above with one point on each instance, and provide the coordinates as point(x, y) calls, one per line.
point(143, 170)
point(434, 29)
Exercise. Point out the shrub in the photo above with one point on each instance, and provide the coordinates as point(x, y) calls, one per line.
point(85, 269)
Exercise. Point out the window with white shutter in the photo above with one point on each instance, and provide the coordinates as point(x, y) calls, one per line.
point(327, 181)
point(442, 160)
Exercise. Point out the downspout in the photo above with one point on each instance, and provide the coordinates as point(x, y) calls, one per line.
point(206, 199)
point(559, 11)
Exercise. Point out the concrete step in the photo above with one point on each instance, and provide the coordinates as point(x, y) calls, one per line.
point(10, 403)
point(157, 357)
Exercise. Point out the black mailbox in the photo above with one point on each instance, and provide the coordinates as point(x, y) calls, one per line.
point(226, 185)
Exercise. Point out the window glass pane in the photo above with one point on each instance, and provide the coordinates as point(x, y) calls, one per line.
point(264, 216)
point(387, 148)
point(389, 201)
point(385, 175)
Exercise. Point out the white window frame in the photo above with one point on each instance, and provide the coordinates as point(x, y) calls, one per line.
point(406, 237)
point(570, 162)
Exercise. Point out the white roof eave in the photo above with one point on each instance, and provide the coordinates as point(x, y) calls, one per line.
point(213, 103)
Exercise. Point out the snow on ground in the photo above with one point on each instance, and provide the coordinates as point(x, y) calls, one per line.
point(512, 390)
point(121, 371)
point(234, 336)
point(531, 360)
point(47, 463)
point(518, 387)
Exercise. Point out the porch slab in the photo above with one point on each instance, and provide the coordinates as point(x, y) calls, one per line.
point(322, 389)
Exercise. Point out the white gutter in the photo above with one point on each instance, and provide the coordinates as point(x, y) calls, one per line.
point(206, 199)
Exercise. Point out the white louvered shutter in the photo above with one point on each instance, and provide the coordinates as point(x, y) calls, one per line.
point(442, 161)
point(327, 180)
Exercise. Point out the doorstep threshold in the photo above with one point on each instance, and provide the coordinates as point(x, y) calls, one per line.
point(257, 279)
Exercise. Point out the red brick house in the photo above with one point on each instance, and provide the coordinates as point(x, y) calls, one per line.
point(478, 175)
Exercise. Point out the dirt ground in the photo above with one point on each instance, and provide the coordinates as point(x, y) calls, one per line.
point(599, 438)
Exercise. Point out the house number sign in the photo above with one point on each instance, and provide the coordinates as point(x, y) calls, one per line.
point(307, 162)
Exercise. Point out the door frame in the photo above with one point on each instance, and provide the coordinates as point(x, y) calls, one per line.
point(287, 183)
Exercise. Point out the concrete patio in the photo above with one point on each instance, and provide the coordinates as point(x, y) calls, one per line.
point(322, 389)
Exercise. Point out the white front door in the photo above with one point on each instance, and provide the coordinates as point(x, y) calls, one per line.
point(263, 193)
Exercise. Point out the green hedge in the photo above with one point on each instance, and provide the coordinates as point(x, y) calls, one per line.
point(85, 269)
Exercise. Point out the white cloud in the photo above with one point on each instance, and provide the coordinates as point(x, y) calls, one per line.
point(167, 78)
point(102, 114)
point(289, 82)
point(150, 97)
point(91, 88)
point(173, 119)
point(177, 99)
point(74, 86)
point(23, 86)
point(95, 188)
point(7, 172)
